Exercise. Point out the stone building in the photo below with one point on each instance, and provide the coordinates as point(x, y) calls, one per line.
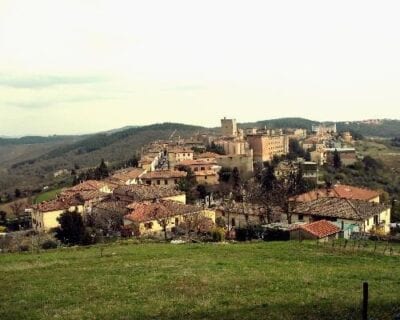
point(229, 127)
point(268, 144)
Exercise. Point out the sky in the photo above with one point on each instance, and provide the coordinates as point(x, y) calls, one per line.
point(80, 66)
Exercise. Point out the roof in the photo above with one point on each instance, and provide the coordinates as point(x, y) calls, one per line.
point(114, 206)
point(148, 211)
point(252, 209)
point(88, 185)
point(180, 150)
point(338, 191)
point(145, 192)
point(198, 162)
point(164, 174)
point(128, 174)
point(207, 155)
point(319, 229)
point(348, 209)
point(62, 203)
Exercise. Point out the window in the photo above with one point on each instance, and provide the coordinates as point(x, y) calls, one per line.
point(165, 182)
point(176, 221)
point(376, 219)
point(196, 169)
point(148, 225)
point(301, 217)
point(176, 181)
point(202, 168)
point(148, 182)
point(158, 182)
point(233, 222)
point(205, 177)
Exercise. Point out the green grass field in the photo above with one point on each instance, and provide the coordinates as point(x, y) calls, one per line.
point(46, 196)
point(282, 280)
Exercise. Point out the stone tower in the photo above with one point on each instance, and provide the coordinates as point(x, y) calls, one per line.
point(229, 127)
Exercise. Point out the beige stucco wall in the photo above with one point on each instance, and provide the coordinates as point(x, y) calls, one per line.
point(48, 220)
point(180, 198)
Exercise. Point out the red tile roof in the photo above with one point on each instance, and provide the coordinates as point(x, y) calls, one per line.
point(320, 229)
point(148, 211)
point(206, 155)
point(128, 174)
point(89, 185)
point(58, 204)
point(198, 162)
point(338, 191)
point(333, 207)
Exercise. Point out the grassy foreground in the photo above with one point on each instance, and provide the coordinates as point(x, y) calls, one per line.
point(278, 280)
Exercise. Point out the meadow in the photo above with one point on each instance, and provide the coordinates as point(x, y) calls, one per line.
point(261, 280)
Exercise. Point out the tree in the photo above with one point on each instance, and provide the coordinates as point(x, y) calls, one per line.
point(17, 193)
point(163, 217)
point(17, 208)
point(3, 216)
point(188, 184)
point(71, 230)
point(215, 148)
point(101, 171)
point(337, 162)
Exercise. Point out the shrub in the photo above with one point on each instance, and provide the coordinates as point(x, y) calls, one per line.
point(218, 234)
point(49, 244)
point(23, 248)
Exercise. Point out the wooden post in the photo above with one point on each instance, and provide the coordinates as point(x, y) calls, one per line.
point(365, 301)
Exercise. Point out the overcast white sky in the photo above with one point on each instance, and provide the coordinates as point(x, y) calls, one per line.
point(77, 66)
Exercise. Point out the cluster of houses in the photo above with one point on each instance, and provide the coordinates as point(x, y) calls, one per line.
point(146, 200)
point(153, 209)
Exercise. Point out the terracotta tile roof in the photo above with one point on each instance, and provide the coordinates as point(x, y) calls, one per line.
point(207, 155)
point(128, 174)
point(164, 174)
point(357, 210)
point(252, 209)
point(148, 211)
point(339, 191)
point(350, 192)
point(63, 203)
point(319, 229)
point(145, 192)
point(198, 162)
point(92, 195)
point(110, 205)
point(88, 185)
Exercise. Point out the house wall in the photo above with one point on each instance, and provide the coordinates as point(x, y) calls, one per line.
point(243, 162)
point(157, 229)
point(207, 179)
point(265, 147)
point(162, 182)
point(365, 226)
point(383, 221)
point(44, 221)
point(180, 198)
point(238, 220)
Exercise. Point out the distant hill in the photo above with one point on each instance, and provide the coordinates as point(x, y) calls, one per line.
point(36, 167)
point(385, 129)
point(37, 139)
point(281, 123)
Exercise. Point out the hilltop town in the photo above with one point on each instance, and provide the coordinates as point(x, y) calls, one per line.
point(217, 186)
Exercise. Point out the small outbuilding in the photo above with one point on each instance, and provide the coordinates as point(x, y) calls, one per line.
point(321, 230)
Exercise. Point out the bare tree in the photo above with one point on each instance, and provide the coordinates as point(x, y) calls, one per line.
point(17, 208)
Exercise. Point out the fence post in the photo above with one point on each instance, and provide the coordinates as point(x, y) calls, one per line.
point(365, 301)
